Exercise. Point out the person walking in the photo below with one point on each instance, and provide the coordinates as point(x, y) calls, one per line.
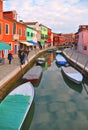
point(10, 57)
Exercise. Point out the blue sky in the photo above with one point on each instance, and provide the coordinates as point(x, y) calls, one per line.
point(62, 16)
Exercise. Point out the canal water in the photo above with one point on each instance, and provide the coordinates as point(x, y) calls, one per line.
point(59, 104)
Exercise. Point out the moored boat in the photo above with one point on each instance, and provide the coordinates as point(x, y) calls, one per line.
point(15, 106)
point(33, 75)
point(72, 74)
point(60, 60)
point(58, 51)
point(40, 61)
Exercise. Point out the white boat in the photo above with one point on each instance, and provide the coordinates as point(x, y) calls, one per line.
point(14, 108)
point(72, 74)
point(60, 60)
point(40, 61)
point(33, 75)
point(58, 51)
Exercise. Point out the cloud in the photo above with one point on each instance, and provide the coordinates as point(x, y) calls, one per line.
point(60, 15)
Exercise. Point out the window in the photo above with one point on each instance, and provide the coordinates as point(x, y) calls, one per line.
point(14, 28)
point(85, 47)
point(0, 28)
point(28, 34)
point(42, 36)
point(20, 32)
point(31, 34)
point(24, 32)
point(7, 29)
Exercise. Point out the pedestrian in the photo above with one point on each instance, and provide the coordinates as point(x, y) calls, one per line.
point(10, 57)
point(22, 58)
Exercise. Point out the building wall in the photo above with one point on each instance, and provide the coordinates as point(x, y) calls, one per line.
point(11, 14)
point(21, 31)
point(83, 42)
point(30, 32)
point(49, 36)
point(34, 35)
point(44, 34)
point(1, 9)
point(1, 20)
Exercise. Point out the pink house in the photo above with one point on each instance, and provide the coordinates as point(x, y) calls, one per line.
point(82, 45)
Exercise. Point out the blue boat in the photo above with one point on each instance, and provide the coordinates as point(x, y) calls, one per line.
point(60, 60)
point(14, 108)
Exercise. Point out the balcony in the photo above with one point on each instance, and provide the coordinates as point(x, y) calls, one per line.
point(16, 37)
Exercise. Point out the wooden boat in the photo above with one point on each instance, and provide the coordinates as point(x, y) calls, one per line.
point(33, 75)
point(72, 74)
point(40, 61)
point(60, 60)
point(14, 108)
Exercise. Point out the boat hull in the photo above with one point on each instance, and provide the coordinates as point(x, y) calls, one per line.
point(72, 74)
point(33, 75)
point(40, 61)
point(14, 108)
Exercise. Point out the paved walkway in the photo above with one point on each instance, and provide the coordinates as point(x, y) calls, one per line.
point(78, 59)
point(7, 71)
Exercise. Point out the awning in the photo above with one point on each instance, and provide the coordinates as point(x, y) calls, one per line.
point(33, 42)
point(26, 43)
point(4, 46)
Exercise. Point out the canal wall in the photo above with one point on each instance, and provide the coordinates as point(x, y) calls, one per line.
point(77, 59)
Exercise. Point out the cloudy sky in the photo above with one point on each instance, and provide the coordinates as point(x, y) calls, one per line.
point(62, 16)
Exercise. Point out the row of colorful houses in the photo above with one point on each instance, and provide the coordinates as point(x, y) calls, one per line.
point(14, 32)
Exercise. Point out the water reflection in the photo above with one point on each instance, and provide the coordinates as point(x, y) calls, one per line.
point(29, 118)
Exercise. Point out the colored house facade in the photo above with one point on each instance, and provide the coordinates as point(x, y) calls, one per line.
point(13, 32)
point(29, 34)
point(59, 39)
point(44, 34)
point(49, 36)
point(83, 42)
point(81, 39)
point(35, 32)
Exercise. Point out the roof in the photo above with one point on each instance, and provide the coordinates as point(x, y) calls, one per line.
point(44, 26)
point(30, 23)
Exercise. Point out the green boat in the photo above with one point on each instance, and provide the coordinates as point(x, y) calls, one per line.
point(14, 108)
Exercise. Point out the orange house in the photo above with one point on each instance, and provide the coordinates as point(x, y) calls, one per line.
point(11, 31)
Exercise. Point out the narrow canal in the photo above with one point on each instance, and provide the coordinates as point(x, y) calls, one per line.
point(59, 104)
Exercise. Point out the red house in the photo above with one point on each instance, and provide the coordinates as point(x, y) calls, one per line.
point(12, 31)
point(59, 40)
